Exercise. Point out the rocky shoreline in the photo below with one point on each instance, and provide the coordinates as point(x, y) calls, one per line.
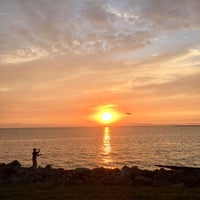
point(14, 174)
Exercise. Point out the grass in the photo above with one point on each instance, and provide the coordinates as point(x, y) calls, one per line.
point(83, 192)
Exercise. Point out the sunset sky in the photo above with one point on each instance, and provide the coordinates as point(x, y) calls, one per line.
point(63, 61)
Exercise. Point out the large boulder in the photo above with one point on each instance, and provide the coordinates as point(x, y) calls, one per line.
point(14, 163)
point(48, 167)
point(98, 173)
point(78, 176)
point(12, 168)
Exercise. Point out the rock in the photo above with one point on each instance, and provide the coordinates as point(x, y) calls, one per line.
point(2, 165)
point(82, 171)
point(35, 178)
point(99, 172)
point(192, 180)
point(13, 174)
point(14, 180)
point(79, 176)
point(2, 170)
point(161, 178)
point(48, 167)
point(15, 163)
point(144, 181)
point(176, 177)
point(123, 180)
point(125, 171)
point(105, 180)
point(10, 171)
point(148, 173)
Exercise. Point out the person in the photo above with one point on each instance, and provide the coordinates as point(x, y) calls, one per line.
point(34, 158)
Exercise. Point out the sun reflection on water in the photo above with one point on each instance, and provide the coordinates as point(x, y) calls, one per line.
point(106, 146)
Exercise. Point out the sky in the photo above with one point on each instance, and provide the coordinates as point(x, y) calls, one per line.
point(63, 61)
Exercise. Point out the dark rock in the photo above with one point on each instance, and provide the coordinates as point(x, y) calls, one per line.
point(2, 165)
point(35, 178)
point(123, 180)
point(161, 178)
point(79, 176)
point(14, 180)
point(191, 180)
point(125, 171)
point(13, 174)
point(148, 173)
point(82, 171)
point(14, 163)
point(48, 167)
point(133, 172)
point(10, 171)
point(144, 181)
point(176, 177)
point(99, 172)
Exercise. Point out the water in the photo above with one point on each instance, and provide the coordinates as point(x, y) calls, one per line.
point(107, 147)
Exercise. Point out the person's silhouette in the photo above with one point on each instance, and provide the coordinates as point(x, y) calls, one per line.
point(34, 158)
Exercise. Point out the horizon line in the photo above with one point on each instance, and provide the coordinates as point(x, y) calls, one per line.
point(4, 126)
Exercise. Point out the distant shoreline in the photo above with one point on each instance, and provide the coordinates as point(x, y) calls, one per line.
point(115, 126)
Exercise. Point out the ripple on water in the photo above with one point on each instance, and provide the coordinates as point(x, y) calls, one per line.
point(93, 147)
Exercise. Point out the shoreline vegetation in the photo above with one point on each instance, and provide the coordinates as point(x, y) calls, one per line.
point(17, 182)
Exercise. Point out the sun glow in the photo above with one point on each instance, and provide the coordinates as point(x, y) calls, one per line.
point(106, 115)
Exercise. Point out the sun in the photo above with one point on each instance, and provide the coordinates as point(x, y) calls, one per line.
point(106, 114)
point(106, 117)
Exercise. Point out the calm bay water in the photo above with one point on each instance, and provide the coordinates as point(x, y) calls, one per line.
point(108, 147)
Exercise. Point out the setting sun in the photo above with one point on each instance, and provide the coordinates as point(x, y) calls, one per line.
point(106, 117)
point(106, 114)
